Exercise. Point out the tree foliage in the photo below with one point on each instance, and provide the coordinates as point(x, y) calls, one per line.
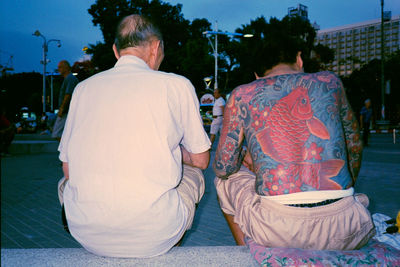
point(256, 54)
point(185, 47)
point(366, 83)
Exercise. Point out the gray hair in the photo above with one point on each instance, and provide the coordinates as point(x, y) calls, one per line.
point(136, 30)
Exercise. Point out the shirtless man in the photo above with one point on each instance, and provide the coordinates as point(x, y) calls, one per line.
point(293, 186)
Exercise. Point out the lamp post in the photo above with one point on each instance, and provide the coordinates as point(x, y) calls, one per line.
point(215, 47)
point(207, 81)
point(382, 63)
point(45, 61)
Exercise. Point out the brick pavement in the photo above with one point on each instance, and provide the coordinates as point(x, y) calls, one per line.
point(30, 212)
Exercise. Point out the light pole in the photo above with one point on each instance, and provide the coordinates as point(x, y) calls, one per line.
point(215, 47)
point(45, 61)
point(207, 81)
point(382, 63)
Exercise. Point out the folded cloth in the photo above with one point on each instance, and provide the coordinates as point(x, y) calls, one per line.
point(373, 254)
point(381, 235)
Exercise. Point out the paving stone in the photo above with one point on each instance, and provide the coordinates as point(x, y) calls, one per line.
point(30, 211)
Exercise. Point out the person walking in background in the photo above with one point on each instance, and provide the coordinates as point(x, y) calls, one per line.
point(365, 120)
point(293, 186)
point(218, 113)
point(130, 189)
point(64, 97)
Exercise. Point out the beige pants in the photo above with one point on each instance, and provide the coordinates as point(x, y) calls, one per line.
point(191, 190)
point(343, 225)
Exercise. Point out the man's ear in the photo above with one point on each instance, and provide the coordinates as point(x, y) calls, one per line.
point(154, 46)
point(299, 60)
point(116, 53)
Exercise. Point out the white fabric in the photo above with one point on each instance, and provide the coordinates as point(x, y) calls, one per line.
point(381, 235)
point(217, 110)
point(311, 196)
point(216, 125)
point(121, 141)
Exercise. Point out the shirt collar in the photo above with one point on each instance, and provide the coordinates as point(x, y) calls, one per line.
point(131, 60)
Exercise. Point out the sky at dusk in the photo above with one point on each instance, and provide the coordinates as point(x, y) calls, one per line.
point(69, 21)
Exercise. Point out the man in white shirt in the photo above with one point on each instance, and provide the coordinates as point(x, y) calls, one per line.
point(218, 113)
point(132, 151)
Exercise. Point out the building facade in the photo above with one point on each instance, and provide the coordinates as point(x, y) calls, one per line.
point(356, 44)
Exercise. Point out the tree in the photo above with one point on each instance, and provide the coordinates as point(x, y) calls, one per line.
point(365, 83)
point(255, 55)
point(185, 47)
point(21, 90)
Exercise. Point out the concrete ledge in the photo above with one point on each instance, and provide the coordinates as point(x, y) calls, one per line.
point(177, 256)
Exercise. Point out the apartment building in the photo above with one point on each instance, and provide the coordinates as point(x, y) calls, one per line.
point(357, 44)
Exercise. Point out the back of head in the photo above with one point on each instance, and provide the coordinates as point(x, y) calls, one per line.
point(280, 47)
point(135, 31)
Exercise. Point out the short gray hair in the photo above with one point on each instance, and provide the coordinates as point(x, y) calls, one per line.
point(136, 30)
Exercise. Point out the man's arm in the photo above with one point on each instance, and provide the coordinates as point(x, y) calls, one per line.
point(352, 136)
point(229, 155)
point(64, 105)
point(199, 160)
point(65, 170)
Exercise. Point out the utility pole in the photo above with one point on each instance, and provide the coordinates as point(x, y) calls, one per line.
point(216, 57)
point(382, 62)
point(45, 61)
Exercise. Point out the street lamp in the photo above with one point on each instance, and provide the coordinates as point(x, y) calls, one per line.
point(207, 81)
point(45, 61)
point(215, 47)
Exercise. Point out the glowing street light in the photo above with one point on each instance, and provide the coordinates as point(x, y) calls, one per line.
point(207, 81)
point(45, 61)
point(215, 47)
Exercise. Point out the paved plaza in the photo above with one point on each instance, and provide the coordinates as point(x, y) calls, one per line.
point(30, 211)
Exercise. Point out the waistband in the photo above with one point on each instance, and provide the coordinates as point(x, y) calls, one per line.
point(312, 205)
point(310, 196)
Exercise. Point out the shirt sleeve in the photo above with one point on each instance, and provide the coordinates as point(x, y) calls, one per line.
point(63, 147)
point(195, 139)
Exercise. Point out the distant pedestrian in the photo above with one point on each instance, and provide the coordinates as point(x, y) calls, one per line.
point(365, 120)
point(218, 113)
point(64, 97)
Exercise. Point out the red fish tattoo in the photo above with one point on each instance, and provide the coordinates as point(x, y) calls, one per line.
point(289, 124)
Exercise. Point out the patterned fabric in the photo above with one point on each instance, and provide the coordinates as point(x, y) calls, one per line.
point(373, 254)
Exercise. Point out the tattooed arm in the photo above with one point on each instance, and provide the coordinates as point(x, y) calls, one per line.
point(352, 135)
point(229, 154)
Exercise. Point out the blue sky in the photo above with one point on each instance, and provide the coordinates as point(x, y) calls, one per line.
point(69, 21)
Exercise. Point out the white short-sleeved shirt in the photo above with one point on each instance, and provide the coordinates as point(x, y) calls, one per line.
point(220, 102)
point(121, 142)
